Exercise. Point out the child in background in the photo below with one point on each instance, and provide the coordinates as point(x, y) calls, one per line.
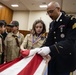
point(2, 28)
point(37, 36)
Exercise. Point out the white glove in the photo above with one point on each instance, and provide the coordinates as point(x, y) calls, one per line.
point(34, 51)
point(44, 51)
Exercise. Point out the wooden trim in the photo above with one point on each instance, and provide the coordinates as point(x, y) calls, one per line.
point(24, 32)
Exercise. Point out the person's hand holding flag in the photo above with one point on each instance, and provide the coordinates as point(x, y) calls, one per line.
point(27, 53)
point(44, 51)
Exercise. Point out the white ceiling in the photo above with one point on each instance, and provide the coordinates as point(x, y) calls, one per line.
point(33, 5)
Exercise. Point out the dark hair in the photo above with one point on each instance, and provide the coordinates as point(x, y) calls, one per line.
point(2, 23)
point(39, 21)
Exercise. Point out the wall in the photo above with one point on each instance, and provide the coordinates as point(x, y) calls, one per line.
point(5, 13)
point(39, 15)
point(26, 19)
point(22, 17)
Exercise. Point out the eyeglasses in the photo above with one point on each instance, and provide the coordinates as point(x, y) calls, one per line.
point(50, 11)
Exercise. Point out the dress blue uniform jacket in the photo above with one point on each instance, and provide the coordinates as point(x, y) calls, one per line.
point(62, 43)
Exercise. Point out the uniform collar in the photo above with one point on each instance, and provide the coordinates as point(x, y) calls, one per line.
point(58, 17)
point(17, 34)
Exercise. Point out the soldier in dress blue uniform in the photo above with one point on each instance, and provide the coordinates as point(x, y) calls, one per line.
point(61, 41)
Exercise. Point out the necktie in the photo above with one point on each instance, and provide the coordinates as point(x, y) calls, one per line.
point(3, 45)
point(17, 42)
point(51, 25)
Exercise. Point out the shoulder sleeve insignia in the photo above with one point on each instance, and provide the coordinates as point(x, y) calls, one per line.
point(43, 35)
point(74, 26)
point(72, 17)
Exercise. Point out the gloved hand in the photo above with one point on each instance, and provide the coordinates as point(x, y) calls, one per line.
point(34, 51)
point(44, 51)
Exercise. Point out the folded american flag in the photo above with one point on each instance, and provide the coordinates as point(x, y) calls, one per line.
point(34, 65)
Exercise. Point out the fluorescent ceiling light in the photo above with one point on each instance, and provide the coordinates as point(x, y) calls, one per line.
point(43, 6)
point(15, 5)
point(5, 0)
